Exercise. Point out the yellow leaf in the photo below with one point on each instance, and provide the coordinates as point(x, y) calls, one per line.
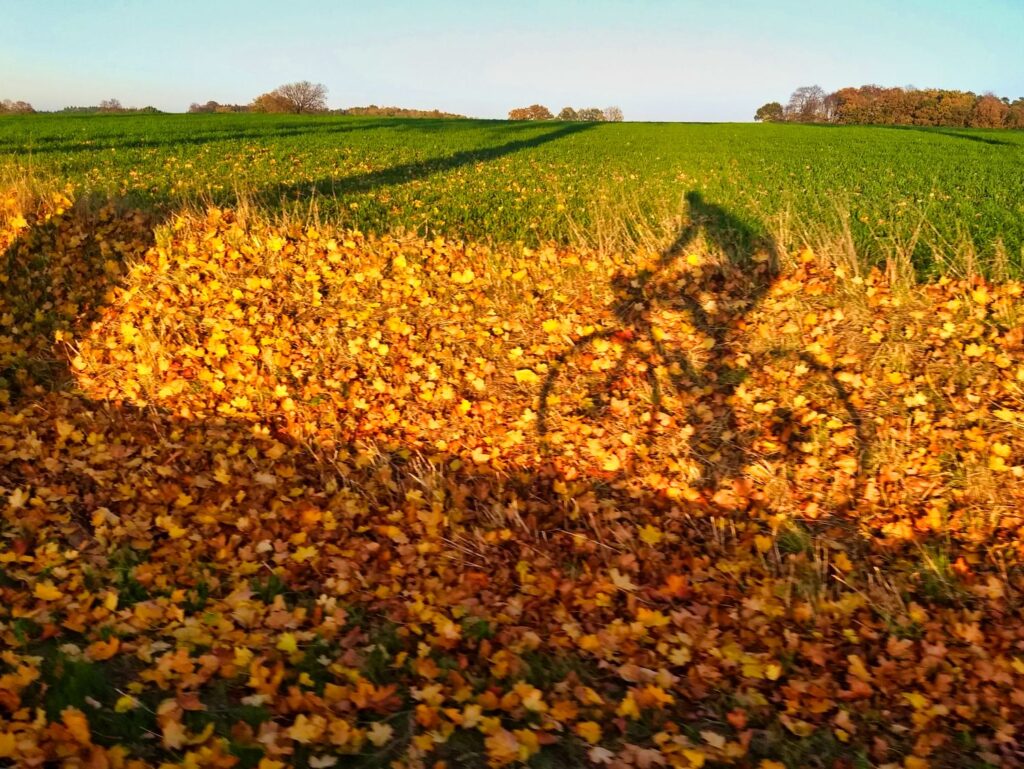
point(8, 744)
point(621, 581)
point(997, 464)
point(287, 643)
point(713, 739)
point(695, 757)
point(379, 734)
point(974, 350)
point(306, 730)
point(76, 723)
point(917, 700)
point(103, 650)
point(47, 591)
point(843, 562)
point(857, 668)
point(18, 498)
point(204, 735)
point(526, 376)
point(502, 747)
point(589, 731)
point(628, 708)
point(651, 535)
point(125, 703)
point(611, 464)
point(797, 726)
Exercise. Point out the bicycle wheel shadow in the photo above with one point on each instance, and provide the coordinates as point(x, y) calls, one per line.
point(711, 280)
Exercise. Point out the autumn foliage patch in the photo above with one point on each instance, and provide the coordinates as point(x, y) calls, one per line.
point(278, 494)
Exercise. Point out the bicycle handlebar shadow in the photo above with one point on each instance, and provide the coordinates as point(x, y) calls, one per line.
point(718, 304)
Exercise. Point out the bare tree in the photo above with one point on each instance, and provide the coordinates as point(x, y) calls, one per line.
point(303, 96)
point(15, 107)
point(807, 104)
point(613, 114)
point(591, 114)
point(111, 105)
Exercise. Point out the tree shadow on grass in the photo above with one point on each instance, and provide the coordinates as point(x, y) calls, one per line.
point(102, 142)
point(58, 276)
point(415, 170)
point(952, 133)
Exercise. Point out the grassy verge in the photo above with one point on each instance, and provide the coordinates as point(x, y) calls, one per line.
point(929, 196)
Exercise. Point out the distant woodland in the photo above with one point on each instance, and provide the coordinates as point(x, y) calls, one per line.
point(876, 105)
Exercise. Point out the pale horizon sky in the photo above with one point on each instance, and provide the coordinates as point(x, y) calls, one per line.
point(658, 60)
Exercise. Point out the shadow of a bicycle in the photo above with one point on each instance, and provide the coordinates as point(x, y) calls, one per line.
point(709, 282)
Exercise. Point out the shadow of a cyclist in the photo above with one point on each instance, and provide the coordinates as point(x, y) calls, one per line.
point(717, 296)
point(714, 276)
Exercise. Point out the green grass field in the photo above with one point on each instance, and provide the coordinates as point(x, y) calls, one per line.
point(932, 195)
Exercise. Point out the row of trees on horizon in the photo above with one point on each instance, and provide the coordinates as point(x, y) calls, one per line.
point(866, 105)
point(585, 114)
point(105, 107)
point(306, 98)
point(309, 98)
point(302, 97)
point(877, 105)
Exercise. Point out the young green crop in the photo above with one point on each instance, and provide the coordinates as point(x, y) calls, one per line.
point(924, 192)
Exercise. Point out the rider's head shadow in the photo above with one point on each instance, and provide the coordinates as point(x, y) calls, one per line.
point(737, 266)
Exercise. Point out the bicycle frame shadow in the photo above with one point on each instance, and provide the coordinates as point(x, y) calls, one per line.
point(718, 297)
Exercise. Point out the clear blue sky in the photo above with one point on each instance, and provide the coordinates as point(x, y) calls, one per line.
point(657, 59)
